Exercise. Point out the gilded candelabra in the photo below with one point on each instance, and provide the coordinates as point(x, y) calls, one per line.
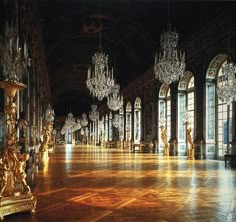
point(190, 141)
point(43, 149)
point(48, 139)
point(52, 140)
point(164, 140)
point(15, 194)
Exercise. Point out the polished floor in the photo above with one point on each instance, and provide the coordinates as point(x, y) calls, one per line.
point(91, 184)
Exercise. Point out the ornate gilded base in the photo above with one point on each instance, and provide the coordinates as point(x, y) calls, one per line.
point(44, 156)
point(16, 204)
point(166, 151)
point(191, 154)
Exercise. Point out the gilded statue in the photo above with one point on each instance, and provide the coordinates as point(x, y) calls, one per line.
point(3, 176)
point(14, 169)
point(12, 164)
point(11, 111)
point(189, 137)
point(164, 140)
point(51, 143)
point(15, 194)
point(190, 141)
point(46, 138)
point(20, 171)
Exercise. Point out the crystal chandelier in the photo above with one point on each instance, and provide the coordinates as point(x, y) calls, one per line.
point(63, 130)
point(84, 120)
point(76, 126)
point(226, 84)
point(100, 79)
point(115, 100)
point(94, 114)
point(116, 121)
point(170, 65)
point(69, 123)
point(84, 132)
point(70, 120)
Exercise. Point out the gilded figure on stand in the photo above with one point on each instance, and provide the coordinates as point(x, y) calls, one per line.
point(190, 142)
point(164, 140)
point(46, 138)
point(164, 135)
point(47, 134)
point(188, 128)
point(15, 194)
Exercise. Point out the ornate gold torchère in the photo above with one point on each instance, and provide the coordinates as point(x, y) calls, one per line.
point(15, 194)
point(164, 140)
point(191, 150)
point(164, 136)
point(48, 141)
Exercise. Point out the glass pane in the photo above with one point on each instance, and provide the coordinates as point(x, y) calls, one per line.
point(181, 111)
point(210, 110)
point(224, 128)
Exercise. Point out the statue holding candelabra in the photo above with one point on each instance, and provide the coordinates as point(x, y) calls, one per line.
point(191, 149)
point(48, 141)
point(15, 194)
point(164, 136)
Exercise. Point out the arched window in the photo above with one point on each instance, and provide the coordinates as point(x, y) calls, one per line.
point(186, 101)
point(190, 104)
point(224, 123)
point(121, 125)
point(128, 123)
point(110, 127)
point(164, 113)
point(218, 113)
point(137, 120)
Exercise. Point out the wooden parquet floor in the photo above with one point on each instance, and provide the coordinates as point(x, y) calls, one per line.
point(91, 184)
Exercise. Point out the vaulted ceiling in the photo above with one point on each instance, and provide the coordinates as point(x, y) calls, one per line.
point(130, 36)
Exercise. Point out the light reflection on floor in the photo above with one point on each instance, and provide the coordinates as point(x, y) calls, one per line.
point(87, 183)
